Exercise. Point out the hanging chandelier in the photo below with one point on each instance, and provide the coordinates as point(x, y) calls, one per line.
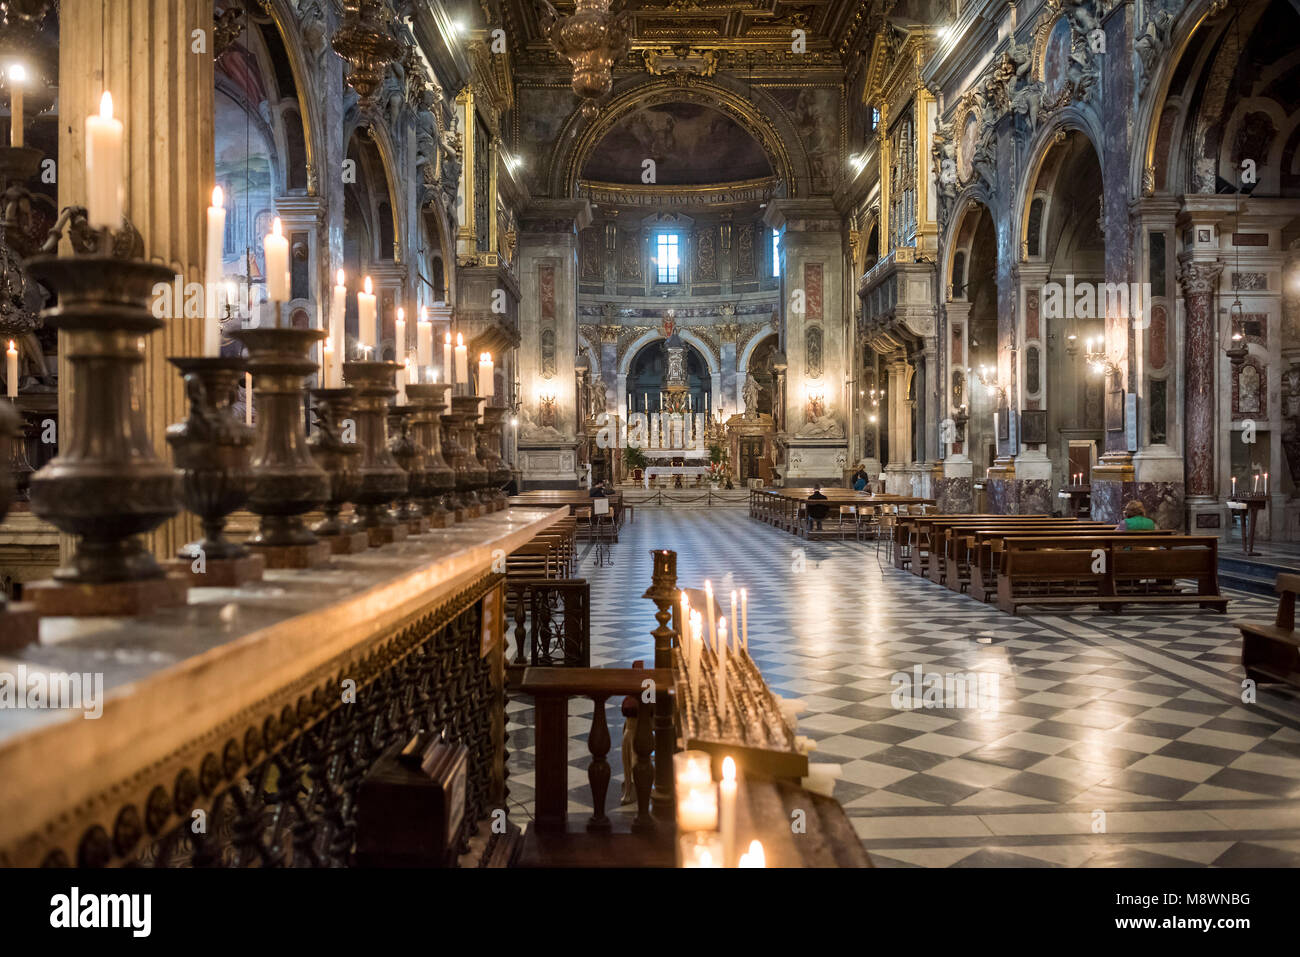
point(591, 40)
point(367, 41)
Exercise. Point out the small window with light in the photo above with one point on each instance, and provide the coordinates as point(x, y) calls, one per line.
point(668, 258)
point(776, 254)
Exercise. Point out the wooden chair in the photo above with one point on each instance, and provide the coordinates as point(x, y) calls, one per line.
point(1271, 653)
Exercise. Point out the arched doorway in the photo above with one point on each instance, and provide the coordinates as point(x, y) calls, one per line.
point(647, 372)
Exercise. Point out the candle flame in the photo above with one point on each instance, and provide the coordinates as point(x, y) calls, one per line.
point(276, 228)
point(18, 73)
point(460, 340)
point(218, 197)
point(329, 343)
point(340, 278)
point(708, 587)
point(424, 314)
point(401, 314)
point(106, 106)
point(12, 346)
point(755, 857)
point(368, 287)
point(433, 375)
point(447, 338)
point(728, 769)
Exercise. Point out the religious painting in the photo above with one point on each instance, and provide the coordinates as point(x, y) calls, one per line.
point(966, 145)
point(1056, 58)
point(1032, 372)
point(1248, 390)
point(590, 255)
point(1115, 410)
point(815, 113)
point(546, 292)
point(548, 353)
point(629, 262)
point(813, 352)
point(1033, 426)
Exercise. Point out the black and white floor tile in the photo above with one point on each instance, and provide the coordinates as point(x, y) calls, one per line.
point(1117, 739)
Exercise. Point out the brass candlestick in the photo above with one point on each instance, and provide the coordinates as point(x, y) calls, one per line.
point(663, 591)
point(335, 448)
point(212, 449)
point(107, 486)
point(382, 479)
point(287, 482)
point(410, 456)
point(439, 482)
point(489, 453)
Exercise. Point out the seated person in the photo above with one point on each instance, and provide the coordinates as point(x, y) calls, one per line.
point(599, 490)
point(860, 481)
point(1135, 518)
point(816, 513)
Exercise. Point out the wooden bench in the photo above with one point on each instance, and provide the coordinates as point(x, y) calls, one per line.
point(1055, 571)
point(985, 552)
point(954, 561)
point(913, 535)
point(1271, 653)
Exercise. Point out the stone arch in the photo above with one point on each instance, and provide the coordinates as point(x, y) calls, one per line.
point(643, 340)
point(384, 147)
point(1071, 118)
point(752, 108)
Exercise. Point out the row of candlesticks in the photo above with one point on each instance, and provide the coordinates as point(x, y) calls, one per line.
point(1255, 488)
point(692, 632)
point(706, 814)
point(1078, 479)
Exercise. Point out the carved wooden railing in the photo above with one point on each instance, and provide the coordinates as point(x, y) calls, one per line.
point(551, 622)
point(551, 689)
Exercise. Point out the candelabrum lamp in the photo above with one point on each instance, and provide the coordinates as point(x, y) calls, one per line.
point(439, 481)
point(1237, 352)
point(19, 624)
point(470, 408)
point(367, 40)
point(336, 450)
point(107, 486)
point(287, 481)
point(410, 456)
point(212, 449)
point(382, 479)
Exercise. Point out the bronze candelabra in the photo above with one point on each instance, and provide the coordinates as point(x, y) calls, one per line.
point(428, 400)
point(468, 408)
point(335, 448)
point(410, 456)
point(287, 483)
point(107, 486)
point(489, 453)
point(212, 449)
point(382, 479)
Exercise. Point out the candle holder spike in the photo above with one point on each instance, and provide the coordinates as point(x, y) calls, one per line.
point(287, 481)
point(212, 449)
point(334, 411)
point(107, 486)
point(382, 479)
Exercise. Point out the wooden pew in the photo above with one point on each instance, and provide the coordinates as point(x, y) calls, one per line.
point(952, 562)
point(985, 552)
point(912, 536)
point(1271, 653)
point(1058, 571)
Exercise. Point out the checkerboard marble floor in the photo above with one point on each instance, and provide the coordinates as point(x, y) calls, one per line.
point(1116, 741)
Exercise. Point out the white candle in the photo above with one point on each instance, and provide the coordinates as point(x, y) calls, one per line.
point(722, 672)
point(11, 370)
point(17, 77)
point(708, 606)
point(446, 358)
point(698, 811)
point(248, 398)
point(735, 632)
point(402, 380)
point(684, 622)
point(367, 317)
point(486, 387)
point(399, 335)
point(754, 857)
point(424, 340)
point(276, 250)
point(338, 305)
point(697, 649)
point(104, 185)
point(744, 618)
point(1234, 486)
point(727, 810)
point(692, 770)
point(462, 360)
point(700, 849)
point(328, 362)
point(1265, 483)
point(212, 273)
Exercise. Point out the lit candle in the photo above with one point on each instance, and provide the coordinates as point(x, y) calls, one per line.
point(17, 77)
point(11, 370)
point(248, 398)
point(462, 360)
point(367, 318)
point(727, 810)
point(755, 856)
point(735, 633)
point(338, 305)
point(446, 358)
point(104, 167)
point(486, 387)
point(402, 380)
point(744, 618)
point(708, 605)
point(212, 273)
point(328, 362)
point(1265, 483)
point(684, 622)
point(699, 810)
point(1234, 486)
point(697, 649)
point(399, 335)
point(424, 340)
point(701, 849)
point(692, 770)
point(722, 672)
point(276, 250)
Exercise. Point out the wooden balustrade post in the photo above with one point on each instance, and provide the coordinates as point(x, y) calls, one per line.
point(663, 591)
point(598, 772)
point(643, 772)
point(551, 773)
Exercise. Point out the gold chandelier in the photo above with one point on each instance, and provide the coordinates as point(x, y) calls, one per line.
point(366, 40)
point(591, 40)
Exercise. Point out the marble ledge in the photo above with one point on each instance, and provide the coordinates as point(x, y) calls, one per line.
point(173, 676)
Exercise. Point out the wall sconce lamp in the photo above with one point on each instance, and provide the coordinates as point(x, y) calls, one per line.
point(1098, 361)
point(1072, 345)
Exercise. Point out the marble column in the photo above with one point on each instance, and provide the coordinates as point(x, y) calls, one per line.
point(1199, 280)
point(163, 94)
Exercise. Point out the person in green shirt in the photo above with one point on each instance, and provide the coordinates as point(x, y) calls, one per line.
point(1135, 519)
